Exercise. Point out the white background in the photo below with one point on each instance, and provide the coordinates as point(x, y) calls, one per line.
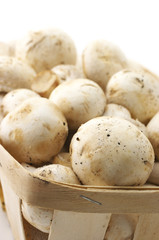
point(131, 24)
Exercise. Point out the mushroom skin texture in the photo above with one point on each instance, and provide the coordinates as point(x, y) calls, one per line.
point(40, 218)
point(115, 110)
point(121, 227)
point(67, 72)
point(44, 49)
point(153, 134)
point(111, 151)
point(14, 98)
point(56, 173)
point(135, 91)
point(154, 176)
point(79, 100)
point(34, 132)
point(14, 74)
point(7, 48)
point(101, 59)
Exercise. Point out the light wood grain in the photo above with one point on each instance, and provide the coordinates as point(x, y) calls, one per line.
point(147, 227)
point(78, 226)
point(76, 198)
point(12, 203)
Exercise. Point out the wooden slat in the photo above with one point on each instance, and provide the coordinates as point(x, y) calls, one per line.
point(147, 227)
point(78, 226)
point(75, 198)
point(12, 203)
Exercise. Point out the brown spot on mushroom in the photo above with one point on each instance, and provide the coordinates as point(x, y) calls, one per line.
point(16, 135)
point(47, 126)
point(25, 111)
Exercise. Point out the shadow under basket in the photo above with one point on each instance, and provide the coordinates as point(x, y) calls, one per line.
point(80, 212)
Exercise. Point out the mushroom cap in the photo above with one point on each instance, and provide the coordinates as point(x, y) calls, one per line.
point(14, 74)
point(79, 100)
point(40, 218)
point(153, 134)
point(34, 132)
point(121, 226)
point(62, 158)
point(115, 110)
point(15, 97)
point(101, 59)
point(56, 173)
point(44, 49)
point(45, 82)
point(135, 91)
point(111, 151)
point(67, 72)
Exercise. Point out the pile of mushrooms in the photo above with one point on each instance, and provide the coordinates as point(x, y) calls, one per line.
point(93, 124)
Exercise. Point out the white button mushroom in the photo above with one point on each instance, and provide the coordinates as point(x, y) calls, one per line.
point(153, 134)
point(115, 110)
point(40, 218)
point(67, 72)
point(14, 74)
point(45, 82)
point(121, 227)
point(111, 151)
point(14, 98)
point(79, 100)
point(101, 59)
point(45, 49)
point(135, 91)
point(34, 132)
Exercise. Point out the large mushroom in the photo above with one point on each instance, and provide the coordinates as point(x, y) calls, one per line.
point(111, 151)
point(34, 132)
point(79, 100)
point(44, 49)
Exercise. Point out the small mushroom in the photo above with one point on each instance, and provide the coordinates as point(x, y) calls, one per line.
point(56, 173)
point(67, 72)
point(111, 151)
point(44, 49)
point(40, 218)
point(45, 82)
point(14, 74)
point(135, 91)
point(121, 227)
point(101, 59)
point(14, 98)
point(115, 110)
point(34, 132)
point(153, 134)
point(79, 100)
point(62, 158)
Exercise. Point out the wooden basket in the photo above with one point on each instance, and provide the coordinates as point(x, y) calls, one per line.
point(80, 212)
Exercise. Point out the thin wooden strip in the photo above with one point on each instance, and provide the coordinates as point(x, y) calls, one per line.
point(12, 203)
point(72, 198)
point(78, 226)
point(147, 227)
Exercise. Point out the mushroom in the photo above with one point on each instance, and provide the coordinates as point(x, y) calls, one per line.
point(44, 49)
point(45, 82)
point(79, 100)
point(101, 59)
point(62, 158)
point(115, 110)
point(153, 134)
point(67, 72)
point(14, 98)
point(39, 217)
point(121, 227)
point(34, 132)
point(111, 151)
point(135, 91)
point(14, 74)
